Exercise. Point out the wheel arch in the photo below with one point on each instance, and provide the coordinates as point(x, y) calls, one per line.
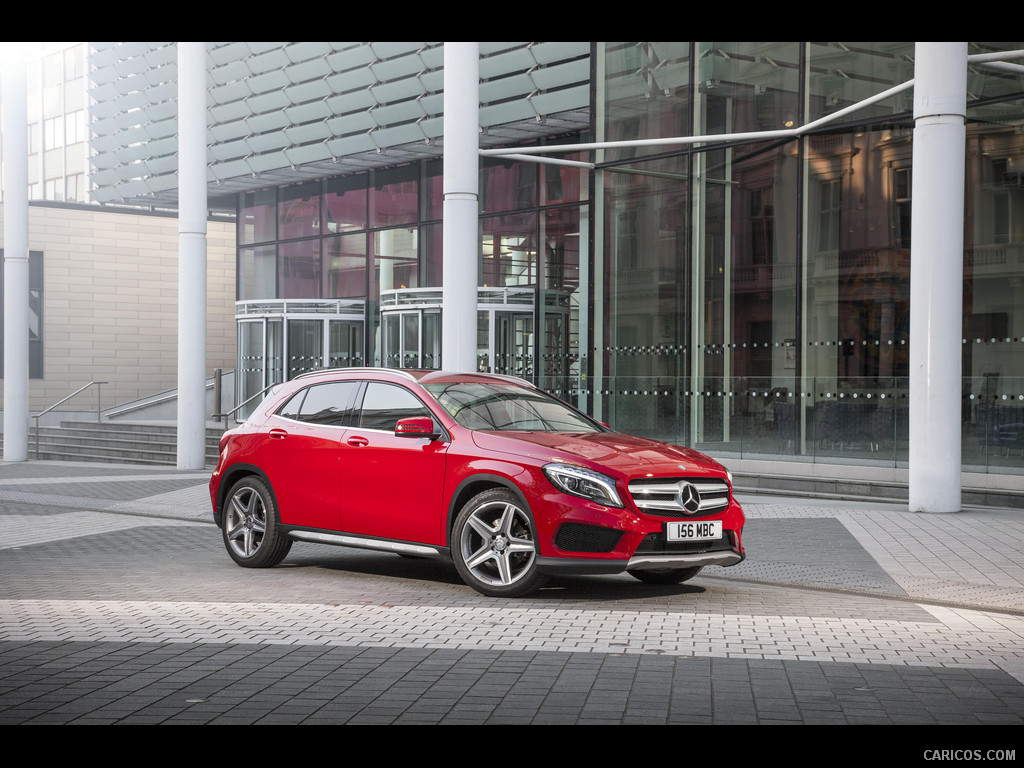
point(232, 475)
point(476, 484)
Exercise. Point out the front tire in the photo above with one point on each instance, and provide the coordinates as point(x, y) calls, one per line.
point(250, 525)
point(494, 545)
point(665, 575)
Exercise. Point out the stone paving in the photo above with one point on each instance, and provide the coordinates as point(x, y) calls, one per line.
point(119, 605)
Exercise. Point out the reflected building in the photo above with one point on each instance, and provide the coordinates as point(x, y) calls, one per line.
point(747, 297)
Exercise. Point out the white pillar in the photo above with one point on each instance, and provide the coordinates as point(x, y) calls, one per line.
point(936, 275)
point(461, 183)
point(191, 255)
point(15, 157)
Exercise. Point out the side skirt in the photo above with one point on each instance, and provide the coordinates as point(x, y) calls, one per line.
point(361, 542)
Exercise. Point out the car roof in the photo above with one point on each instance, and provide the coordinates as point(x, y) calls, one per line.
point(418, 375)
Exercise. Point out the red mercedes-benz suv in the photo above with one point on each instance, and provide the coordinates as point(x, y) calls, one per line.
point(511, 483)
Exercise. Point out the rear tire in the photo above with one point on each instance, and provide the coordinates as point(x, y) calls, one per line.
point(251, 525)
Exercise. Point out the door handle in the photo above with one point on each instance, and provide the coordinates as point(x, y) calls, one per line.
point(278, 434)
point(358, 442)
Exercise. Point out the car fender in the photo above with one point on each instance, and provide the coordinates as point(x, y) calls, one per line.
point(230, 476)
point(483, 480)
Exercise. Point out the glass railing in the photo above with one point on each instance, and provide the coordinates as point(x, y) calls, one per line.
point(852, 420)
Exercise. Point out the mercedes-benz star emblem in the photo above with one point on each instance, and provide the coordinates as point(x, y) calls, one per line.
point(688, 497)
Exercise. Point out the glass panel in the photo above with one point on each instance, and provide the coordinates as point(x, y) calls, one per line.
point(841, 74)
point(257, 273)
point(394, 197)
point(392, 324)
point(345, 267)
point(857, 309)
point(35, 315)
point(346, 343)
point(506, 185)
point(509, 252)
point(299, 210)
point(345, 204)
point(305, 346)
point(432, 247)
point(513, 344)
point(299, 270)
point(646, 298)
point(275, 350)
point(431, 340)
point(757, 83)
point(993, 324)
point(993, 420)
point(411, 340)
point(647, 93)
point(433, 192)
point(250, 363)
point(761, 353)
point(257, 219)
point(562, 183)
point(396, 259)
point(559, 302)
point(483, 342)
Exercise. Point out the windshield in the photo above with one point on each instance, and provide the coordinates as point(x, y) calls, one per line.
point(505, 407)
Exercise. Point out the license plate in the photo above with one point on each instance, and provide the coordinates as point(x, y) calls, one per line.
point(692, 530)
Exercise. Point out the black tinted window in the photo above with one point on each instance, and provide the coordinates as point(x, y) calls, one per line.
point(327, 404)
point(385, 404)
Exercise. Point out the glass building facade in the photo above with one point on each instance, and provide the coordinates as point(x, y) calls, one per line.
point(748, 297)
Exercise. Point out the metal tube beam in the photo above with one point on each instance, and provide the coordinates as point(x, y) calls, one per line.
point(936, 274)
point(16, 282)
point(461, 185)
point(192, 211)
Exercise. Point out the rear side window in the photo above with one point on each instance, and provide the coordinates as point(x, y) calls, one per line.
point(325, 404)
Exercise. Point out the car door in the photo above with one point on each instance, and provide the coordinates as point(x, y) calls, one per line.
point(392, 487)
point(303, 452)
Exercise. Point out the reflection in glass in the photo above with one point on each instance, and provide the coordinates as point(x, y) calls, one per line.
point(345, 267)
point(257, 217)
point(299, 210)
point(345, 204)
point(299, 269)
point(257, 273)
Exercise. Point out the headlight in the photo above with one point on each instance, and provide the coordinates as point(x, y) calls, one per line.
point(584, 483)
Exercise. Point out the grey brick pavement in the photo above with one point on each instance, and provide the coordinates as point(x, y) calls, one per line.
point(118, 605)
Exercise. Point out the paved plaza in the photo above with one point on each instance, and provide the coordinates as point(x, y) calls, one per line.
point(119, 605)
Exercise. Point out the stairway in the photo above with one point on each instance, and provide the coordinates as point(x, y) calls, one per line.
point(115, 442)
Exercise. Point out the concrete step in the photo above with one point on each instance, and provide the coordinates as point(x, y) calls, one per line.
point(116, 442)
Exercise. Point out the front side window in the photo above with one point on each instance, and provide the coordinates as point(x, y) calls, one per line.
point(385, 404)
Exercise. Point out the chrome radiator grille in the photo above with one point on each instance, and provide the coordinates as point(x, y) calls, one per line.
point(673, 496)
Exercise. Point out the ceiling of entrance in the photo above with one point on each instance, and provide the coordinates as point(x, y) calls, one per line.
point(281, 112)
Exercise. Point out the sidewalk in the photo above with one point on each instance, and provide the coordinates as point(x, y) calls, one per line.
point(971, 559)
point(118, 605)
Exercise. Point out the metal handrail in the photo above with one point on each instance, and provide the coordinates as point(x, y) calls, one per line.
point(99, 393)
point(219, 416)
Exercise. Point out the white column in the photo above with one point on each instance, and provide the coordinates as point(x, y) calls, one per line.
point(936, 275)
point(461, 182)
point(15, 157)
point(191, 255)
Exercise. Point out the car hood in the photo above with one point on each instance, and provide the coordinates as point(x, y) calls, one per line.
point(610, 450)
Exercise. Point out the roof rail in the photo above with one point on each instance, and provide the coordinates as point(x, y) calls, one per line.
point(366, 369)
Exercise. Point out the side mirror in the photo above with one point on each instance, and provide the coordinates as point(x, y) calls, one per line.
point(416, 426)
